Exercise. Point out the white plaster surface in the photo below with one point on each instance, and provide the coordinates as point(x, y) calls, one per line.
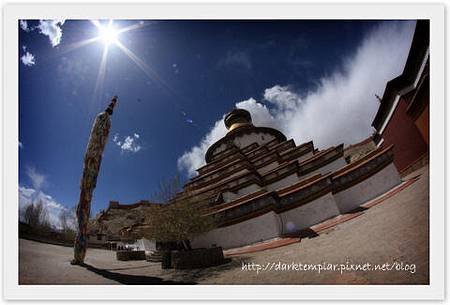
point(368, 189)
point(305, 156)
point(225, 176)
point(236, 173)
point(148, 245)
point(268, 167)
point(331, 167)
point(92, 239)
point(309, 214)
point(229, 196)
point(271, 225)
point(254, 230)
point(286, 181)
point(326, 169)
point(259, 137)
point(144, 244)
point(219, 149)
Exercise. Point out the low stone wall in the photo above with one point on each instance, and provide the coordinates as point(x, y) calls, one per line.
point(368, 189)
point(331, 167)
point(130, 255)
point(197, 258)
point(273, 214)
point(247, 232)
point(309, 214)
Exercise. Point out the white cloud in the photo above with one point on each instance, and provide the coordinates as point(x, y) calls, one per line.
point(29, 196)
point(28, 59)
point(129, 143)
point(282, 97)
point(37, 180)
point(24, 25)
point(194, 158)
point(52, 29)
point(339, 110)
point(261, 115)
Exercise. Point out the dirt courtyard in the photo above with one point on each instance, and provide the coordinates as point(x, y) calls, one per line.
point(394, 232)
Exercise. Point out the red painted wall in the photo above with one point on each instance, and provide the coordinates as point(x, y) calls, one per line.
point(423, 124)
point(402, 131)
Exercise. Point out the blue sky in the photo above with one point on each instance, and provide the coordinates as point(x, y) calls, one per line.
point(310, 79)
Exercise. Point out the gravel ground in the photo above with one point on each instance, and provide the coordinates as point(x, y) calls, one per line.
point(395, 231)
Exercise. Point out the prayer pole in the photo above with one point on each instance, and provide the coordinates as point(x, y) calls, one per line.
point(92, 159)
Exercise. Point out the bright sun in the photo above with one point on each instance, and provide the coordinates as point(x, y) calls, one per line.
point(108, 34)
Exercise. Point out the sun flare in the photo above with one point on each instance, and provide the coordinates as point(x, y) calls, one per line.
point(108, 34)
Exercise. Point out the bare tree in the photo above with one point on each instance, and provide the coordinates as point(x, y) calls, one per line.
point(67, 223)
point(36, 215)
point(167, 189)
point(63, 220)
point(66, 219)
point(175, 221)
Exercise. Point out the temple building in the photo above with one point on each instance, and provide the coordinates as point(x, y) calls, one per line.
point(259, 185)
point(403, 116)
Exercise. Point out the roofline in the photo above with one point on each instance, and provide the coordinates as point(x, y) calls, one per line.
point(239, 131)
point(331, 183)
point(418, 50)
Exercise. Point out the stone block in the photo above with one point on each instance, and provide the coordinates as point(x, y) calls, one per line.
point(130, 255)
point(197, 258)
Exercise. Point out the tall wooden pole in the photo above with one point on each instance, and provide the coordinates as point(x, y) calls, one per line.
point(92, 160)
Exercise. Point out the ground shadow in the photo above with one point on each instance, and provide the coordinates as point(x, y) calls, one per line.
point(357, 210)
point(307, 233)
point(129, 268)
point(204, 273)
point(133, 279)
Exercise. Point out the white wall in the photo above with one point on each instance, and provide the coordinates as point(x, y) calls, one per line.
point(141, 244)
point(286, 181)
point(305, 156)
point(254, 230)
point(229, 196)
point(309, 214)
point(147, 245)
point(219, 149)
point(230, 175)
point(268, 167)
point(247, 139)
point(327, 168)
point(368, 189)
point(333, 166)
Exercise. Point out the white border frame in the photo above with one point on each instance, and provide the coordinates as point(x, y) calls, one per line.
point(13, 12)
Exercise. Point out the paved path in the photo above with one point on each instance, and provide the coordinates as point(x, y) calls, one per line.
point(41, 263)
point(394, 231)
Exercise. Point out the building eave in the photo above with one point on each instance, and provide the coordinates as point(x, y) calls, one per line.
point(418, 54)
point(241, 131)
